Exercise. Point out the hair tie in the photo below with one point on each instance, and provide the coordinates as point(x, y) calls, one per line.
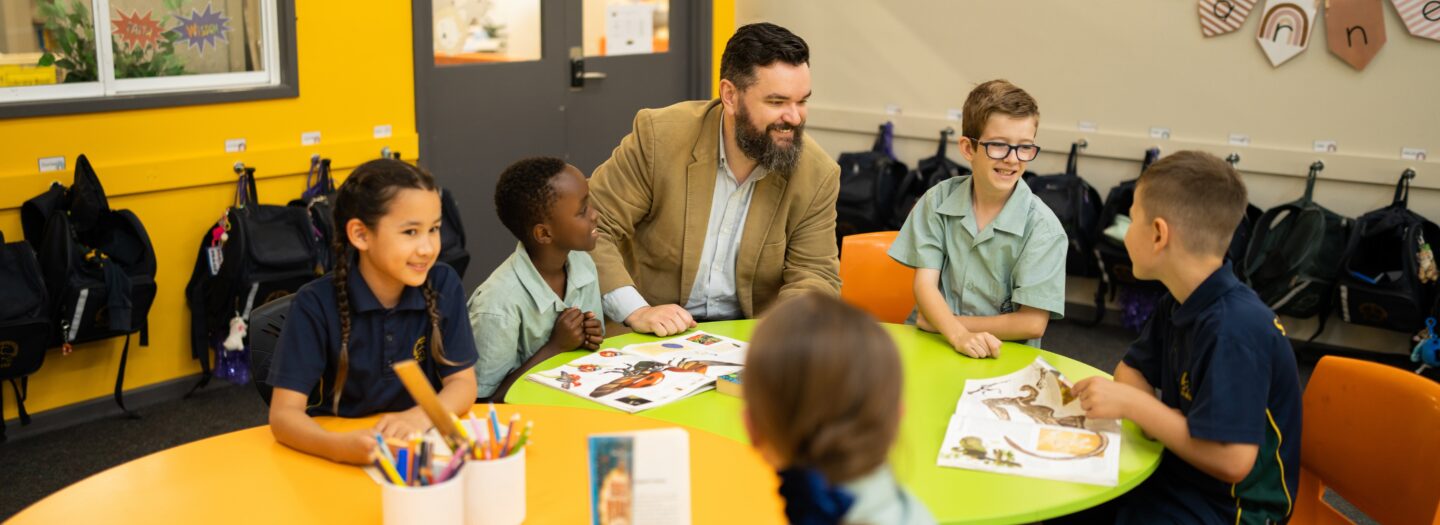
point(810, 499)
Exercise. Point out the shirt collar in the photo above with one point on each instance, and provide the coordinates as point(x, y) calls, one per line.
point(758, 173)
point(1210, 290)
point(577, 275)
point(363, 299)
point(1013, 216)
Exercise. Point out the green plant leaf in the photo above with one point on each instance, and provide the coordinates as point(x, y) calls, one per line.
point(46, 59)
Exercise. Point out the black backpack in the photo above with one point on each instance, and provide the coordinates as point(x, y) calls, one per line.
point(1379, 281)
point(1112, 261)
point(25, 328)
point(318, 201)
point(98, 265)
point(927, 173)
point(255, 254)
point(868, 183)
point(452, 235)
point(1077, 205)
point(1295, 255)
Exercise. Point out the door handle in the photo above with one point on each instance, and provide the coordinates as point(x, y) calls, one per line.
point(578, 75)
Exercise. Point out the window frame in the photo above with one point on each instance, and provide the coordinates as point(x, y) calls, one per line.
point(281, 80)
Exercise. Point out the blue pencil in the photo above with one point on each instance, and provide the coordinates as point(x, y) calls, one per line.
point(402, 462)
point(495, 425)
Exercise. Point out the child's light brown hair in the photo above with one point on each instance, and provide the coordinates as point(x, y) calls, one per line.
point(1199, 195)
point(822, 387)
point(995, 96)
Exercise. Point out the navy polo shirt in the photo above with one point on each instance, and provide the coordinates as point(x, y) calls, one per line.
point(309, 348)
point(1222, 359)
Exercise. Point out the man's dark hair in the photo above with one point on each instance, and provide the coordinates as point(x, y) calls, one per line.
point(759, 45)
point(523, 195)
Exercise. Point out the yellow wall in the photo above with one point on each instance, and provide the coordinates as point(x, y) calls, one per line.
point(722, 23)
point(170, 168)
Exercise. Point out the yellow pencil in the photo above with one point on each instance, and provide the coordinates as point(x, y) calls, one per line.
point(387, 468)
point(424, 395)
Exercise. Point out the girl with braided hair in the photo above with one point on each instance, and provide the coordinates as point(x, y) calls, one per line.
point(387, 301)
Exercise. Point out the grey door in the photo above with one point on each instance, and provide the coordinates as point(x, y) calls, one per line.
point(495, 82)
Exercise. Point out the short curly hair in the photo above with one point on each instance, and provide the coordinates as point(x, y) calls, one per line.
point(523, 195)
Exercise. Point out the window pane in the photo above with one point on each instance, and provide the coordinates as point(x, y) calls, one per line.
point(161, 38)
point(626, 27)
point(45, 42)
point(482, 31)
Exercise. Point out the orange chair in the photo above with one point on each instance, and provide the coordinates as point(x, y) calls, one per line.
point(873, 281)
point(1372, 435)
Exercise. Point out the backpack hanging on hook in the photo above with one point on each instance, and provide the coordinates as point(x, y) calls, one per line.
point(98, 265)
point(1077, 205)
point(254, 254)
point(927, 173)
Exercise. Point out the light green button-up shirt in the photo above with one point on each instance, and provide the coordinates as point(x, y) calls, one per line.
point(1018, 259)
point(880, 499)
point(513, 312)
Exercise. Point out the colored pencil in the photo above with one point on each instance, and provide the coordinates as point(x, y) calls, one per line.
point(424, 395)
point(524, 436)
point(495, 429)
point(387, 469)
point(509, 435)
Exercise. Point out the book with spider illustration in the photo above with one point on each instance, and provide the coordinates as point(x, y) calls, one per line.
point(646, 375)
point(1029, 424)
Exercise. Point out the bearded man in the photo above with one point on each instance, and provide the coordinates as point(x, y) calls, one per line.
point(714, 210)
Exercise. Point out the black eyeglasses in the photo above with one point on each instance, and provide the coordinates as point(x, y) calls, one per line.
point(999, 150)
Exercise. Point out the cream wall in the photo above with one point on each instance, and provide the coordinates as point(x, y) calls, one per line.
point(1128, 65)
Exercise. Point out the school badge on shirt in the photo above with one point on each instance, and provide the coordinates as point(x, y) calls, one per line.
point(419, 350)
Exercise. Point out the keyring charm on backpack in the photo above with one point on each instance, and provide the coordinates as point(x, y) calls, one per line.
point(1427, 351)
point(235, 341)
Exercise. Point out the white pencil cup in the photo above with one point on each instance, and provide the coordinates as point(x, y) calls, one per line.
point(495, 490)
point(439, 504)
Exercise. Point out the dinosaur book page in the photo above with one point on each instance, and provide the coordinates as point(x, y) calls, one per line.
point(647, 375)
point(1027, 423)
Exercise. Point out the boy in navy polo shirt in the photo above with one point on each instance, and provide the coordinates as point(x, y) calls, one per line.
point(1228, 402)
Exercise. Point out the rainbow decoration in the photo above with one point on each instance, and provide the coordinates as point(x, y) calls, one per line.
point(1285, 29)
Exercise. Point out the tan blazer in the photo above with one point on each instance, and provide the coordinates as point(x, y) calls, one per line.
point(654, 196)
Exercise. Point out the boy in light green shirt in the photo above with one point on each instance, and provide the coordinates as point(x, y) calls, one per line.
point(545, 298)
point(989, 256)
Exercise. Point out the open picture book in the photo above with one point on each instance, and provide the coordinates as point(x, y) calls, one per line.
point(1029, 424)
point(646, 375)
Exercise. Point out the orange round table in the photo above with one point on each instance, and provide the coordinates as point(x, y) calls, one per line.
point(246, 477)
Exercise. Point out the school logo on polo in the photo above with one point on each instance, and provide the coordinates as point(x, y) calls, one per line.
point(1279, 326)
point(9, 350)
point(1185, 386)
point(419, 349)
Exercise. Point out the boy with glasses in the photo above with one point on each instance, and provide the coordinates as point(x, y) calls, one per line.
point(989, 256)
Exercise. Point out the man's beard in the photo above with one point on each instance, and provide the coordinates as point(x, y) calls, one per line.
point(757, 144)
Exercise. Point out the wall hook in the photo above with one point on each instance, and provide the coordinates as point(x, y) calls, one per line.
point(1082, 143)
point(1318, 165)
point(239, 167)
point(1233, 159)
point(1409, 173)
point(385, 152)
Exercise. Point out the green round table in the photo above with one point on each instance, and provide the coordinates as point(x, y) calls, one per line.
point(934, 377)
